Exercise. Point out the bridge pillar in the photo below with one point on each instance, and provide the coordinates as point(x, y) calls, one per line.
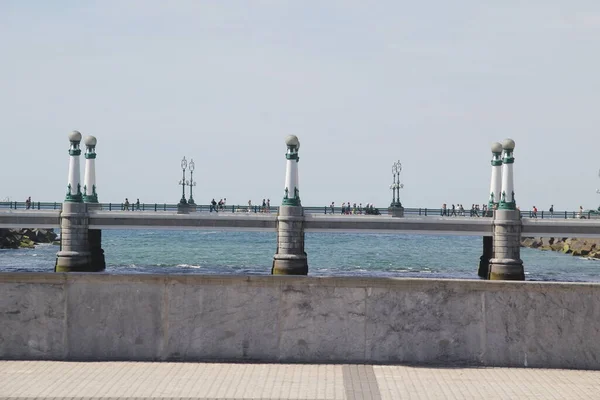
point(290, 258)
point(90, 196)
point(74, 252)
point(507, 263)
point(484, 260)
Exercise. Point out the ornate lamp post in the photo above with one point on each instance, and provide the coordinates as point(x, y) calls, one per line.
point(507, 197)
point(396, 209)
point(191, 184)
point(89, 183)
point(598, 190)
point(183, 182)
point(393, 185)
point(74, 187)
point(396, 185)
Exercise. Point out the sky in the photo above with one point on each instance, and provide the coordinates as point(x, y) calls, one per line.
point(362, 84)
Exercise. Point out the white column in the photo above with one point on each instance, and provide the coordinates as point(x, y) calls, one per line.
point(296, 167)
point(507, 198)
point(74, 188)
point(292, 190)
point(496, 182)
point(291, 176)
point(89, 183)
point(90, 175)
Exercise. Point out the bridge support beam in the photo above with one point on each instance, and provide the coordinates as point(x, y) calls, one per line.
point(97, 262)
point(484, 260)
point(507, 263)
point(74, 254)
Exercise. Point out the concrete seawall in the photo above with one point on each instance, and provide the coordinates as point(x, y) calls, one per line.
point(299, 319)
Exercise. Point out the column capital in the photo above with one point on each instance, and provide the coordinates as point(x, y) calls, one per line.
point(291, 201)
point(507, 205)
point(74, 198)
point(92, 197)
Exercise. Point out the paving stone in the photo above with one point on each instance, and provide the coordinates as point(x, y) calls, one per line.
point(219, 381)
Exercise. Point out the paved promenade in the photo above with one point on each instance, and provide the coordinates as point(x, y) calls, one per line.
point(137, 380)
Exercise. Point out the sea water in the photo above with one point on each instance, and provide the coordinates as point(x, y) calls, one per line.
point(329, 254)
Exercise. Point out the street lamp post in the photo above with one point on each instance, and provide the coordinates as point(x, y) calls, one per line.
point(183, 182)
point(396, 209)
point(396, 185)
point(393, 185)
point(192, 166)
point(598, 190)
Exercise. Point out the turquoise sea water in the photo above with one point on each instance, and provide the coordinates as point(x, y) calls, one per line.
point(329, 254)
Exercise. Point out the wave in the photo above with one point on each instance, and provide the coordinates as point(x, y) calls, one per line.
point(44, 245)
point(189, 266)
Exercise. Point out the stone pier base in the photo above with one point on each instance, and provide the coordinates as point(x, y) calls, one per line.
point(74, 254)
point(507, 263)
point(507, 270)
point(290, 258)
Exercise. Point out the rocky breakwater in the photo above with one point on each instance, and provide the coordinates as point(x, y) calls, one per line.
point(25, 238)
point(583, 247)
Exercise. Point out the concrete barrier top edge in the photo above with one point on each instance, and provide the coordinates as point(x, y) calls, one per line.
point(269, 280)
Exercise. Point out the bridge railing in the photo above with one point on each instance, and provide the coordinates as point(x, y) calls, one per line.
point(256, 209)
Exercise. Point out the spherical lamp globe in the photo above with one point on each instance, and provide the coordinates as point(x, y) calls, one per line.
point(508, 144)
point(75, 136)
point(90, 141)
point(496, 147)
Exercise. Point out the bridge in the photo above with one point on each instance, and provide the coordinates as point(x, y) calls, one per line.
point(82, 218)
point(313, 222)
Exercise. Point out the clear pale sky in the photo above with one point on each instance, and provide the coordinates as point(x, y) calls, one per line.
point(362, 84)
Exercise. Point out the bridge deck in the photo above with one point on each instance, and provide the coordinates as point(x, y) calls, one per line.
point(463, 226)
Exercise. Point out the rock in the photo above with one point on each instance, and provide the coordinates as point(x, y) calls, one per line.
point(527, 242)
point(586, 247)
point(15, 238)
point(26, 243)
point(557, 246)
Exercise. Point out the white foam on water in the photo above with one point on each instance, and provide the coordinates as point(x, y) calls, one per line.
point(189, 266)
